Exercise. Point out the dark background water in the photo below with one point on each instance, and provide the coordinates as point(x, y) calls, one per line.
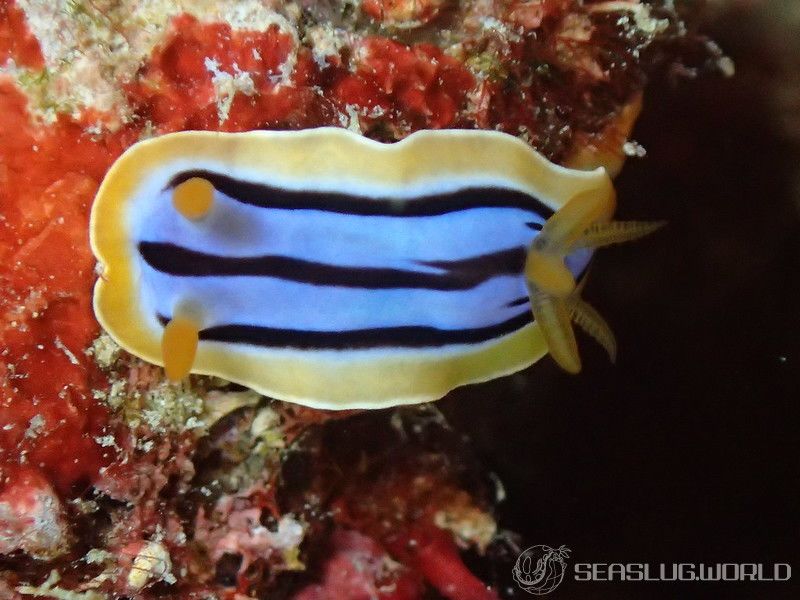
point(686, 450)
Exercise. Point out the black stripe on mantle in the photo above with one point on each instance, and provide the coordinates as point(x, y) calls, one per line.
point(266, 196)
point(411, 336)
point(456, 275)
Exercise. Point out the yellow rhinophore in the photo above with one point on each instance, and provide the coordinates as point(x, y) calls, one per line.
point(179, 346)
point(193, 198)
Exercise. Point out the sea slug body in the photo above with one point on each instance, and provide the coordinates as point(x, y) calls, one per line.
point(327, 269)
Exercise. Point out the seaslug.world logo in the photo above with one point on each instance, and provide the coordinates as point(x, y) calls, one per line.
point(540, 569)
point(683, 572)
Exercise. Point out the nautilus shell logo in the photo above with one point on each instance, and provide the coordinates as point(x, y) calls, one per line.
point(540, 569)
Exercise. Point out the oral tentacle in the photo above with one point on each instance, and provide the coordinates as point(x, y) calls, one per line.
point(544, 265)
point(549, 274)
point(563, 229)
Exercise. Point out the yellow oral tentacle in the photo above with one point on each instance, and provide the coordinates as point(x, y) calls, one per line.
point(549, 274)
point(553, 316)
point(568, 224)
point(544, 265)
point(193, 198)
point(179, 347)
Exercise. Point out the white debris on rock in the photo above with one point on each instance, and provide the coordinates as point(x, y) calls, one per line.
point(234, 528)
point(67, 352)
point(471, 525)
point(35, 426)
point(350, 119)
point(49, 589)
point(244, 15)
point(97, 556)
point(105, 351)
point(247, 534)
point(226, 85)
point(326, 42)
point(640, 13)
point(171, 407)
point(634, 149)
point(726, 66)
point(266, 420)
point(115, 396)
point(253, 15)
point(106, 441)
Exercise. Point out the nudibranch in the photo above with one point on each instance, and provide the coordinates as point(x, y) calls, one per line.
point(327, 269)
